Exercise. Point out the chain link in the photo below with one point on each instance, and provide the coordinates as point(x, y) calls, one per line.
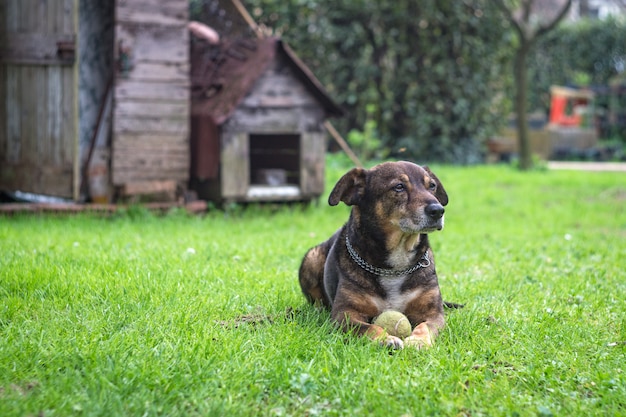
point(423, 263)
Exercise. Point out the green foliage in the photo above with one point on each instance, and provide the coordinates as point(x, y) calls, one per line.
point(433, 68)
point(202, 315)
point(366, 143)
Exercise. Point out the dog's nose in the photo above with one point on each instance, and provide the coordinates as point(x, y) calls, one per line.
point(434, 210)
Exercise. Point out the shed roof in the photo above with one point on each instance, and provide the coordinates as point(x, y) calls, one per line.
point(222, 76)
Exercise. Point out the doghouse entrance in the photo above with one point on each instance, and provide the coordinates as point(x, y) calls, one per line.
point(275, 164)
point(274, 159)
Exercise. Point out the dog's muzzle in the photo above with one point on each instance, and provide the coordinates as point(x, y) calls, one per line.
point(434, 211)
point(434, 217)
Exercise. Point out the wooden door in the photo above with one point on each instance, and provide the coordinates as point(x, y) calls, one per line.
point(39, 97)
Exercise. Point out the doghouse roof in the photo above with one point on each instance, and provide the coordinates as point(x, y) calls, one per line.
point(222, 76)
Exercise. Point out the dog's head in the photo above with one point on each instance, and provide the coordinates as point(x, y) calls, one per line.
point(401, 194)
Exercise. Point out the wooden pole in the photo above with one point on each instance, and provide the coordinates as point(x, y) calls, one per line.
point(246, 16)
point(342, 143)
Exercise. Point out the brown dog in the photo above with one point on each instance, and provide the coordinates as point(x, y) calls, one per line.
point(381, 259)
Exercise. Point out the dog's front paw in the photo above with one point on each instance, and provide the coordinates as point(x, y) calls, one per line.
point(392, 342)
point(417, 342)
point(420, 338)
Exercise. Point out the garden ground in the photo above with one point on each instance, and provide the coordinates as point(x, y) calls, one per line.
point(140, 314)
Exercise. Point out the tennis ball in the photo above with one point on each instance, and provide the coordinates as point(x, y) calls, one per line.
point(394, 323)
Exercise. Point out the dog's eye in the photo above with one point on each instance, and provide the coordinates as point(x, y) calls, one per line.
point(399, 188)
point(432, 186)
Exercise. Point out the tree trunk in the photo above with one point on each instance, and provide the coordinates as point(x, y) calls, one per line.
point(521, 84)
point(528, 37)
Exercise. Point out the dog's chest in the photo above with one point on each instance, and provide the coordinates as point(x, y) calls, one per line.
point(400, 258)
point(395, 298)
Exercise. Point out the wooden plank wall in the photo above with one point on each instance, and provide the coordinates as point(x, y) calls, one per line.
point(313, 151)
point(235, 156)
point(151, 112)
point(278, 103)
point(38, 98)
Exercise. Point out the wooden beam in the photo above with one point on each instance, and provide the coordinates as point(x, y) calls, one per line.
point(198, 206)
point(149, 187)
point(36, 48)
point(342, 143)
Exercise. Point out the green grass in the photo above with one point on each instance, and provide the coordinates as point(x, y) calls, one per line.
point(138, 314)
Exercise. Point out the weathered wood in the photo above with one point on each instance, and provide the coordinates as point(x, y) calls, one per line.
point(22, 176)
point(3, 109)
point(71, 208)
point(124, 176)
point(313, 147)
point(159, 71)
point(153, 108)
point(151, 159)
point(35, 48)
point(167, 157)
point(39, 135)
point(151, 113)
point(54, 122)
point(143, 90)
point(278, 120)
point(175, 125)
point(29, 112)
point(149, 187)
point(154, 42)
point(235, 177)
point(147, 173)
point(13, 117)
point(151, 140)
point(152, 11)
point(278, 87)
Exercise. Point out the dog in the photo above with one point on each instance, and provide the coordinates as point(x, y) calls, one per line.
point(381, 258)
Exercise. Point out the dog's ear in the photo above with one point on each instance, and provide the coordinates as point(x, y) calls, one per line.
point(349, 188)
point(441, 194)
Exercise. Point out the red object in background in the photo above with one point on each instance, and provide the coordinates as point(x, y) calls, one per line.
point(563, 104)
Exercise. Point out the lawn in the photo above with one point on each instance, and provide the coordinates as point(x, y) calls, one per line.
point(143, 315)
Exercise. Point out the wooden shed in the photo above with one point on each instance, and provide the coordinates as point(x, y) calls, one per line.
point(257, 125)
point(96, 92)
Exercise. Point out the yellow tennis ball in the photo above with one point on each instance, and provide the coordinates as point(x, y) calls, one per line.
point(394, 323)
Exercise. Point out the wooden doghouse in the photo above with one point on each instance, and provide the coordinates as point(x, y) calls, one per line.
point(257, 123)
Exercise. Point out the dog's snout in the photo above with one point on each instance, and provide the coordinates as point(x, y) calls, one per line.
point(434, 210)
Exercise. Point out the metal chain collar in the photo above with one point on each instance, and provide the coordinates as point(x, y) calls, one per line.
point(423, 263)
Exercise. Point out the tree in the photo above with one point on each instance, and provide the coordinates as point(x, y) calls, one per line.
point(530, 24)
